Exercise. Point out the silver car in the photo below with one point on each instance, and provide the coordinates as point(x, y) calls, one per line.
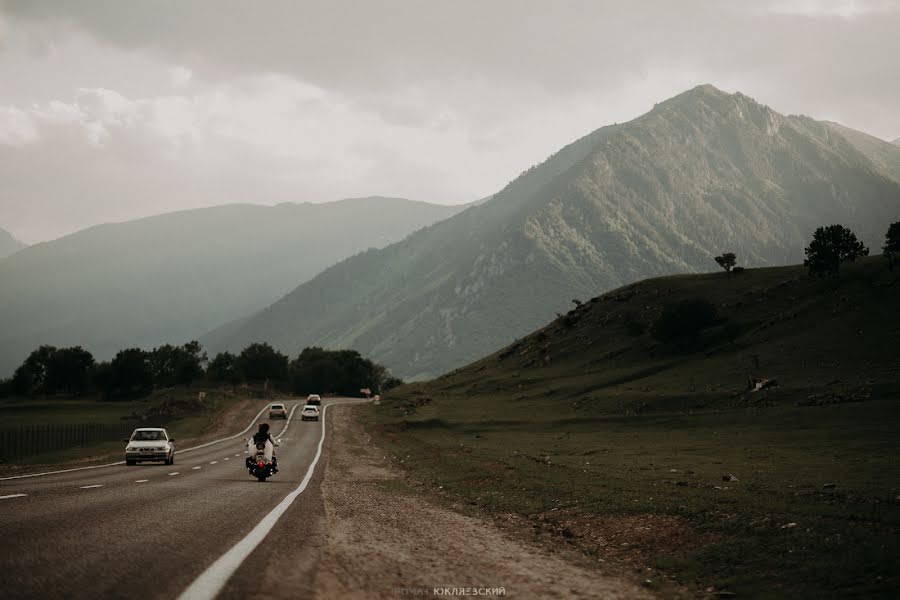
point(150, 443)
point(278, 411)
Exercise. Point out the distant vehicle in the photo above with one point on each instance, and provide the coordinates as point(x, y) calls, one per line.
point(310, 412)
point(314, 400)
point(150, 443)
point(278, 411)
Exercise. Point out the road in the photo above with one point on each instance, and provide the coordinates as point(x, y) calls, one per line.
point(152, 530)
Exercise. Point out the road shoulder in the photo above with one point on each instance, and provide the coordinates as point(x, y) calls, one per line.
point(385, 541)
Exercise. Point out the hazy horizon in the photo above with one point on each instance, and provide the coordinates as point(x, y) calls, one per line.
point(123, 111)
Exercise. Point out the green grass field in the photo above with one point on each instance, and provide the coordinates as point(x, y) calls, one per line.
point(176, 409)
point(601, 439)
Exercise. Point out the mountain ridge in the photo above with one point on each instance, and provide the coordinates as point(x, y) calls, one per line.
point(9, 244)
point(172, 277)
point(701, 173)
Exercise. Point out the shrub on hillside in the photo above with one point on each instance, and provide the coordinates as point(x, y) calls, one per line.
point(726, 260)
point(680, 323)
point(892, 244)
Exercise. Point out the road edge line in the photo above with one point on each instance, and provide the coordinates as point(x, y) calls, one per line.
point(211, 581)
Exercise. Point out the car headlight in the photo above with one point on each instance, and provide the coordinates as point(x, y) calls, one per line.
point(129, 449)
point(161, 448)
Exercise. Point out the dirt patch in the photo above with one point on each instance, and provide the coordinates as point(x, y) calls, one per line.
point(628, 539)
point(385, 541)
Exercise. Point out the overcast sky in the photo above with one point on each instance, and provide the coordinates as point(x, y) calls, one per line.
point(111, 110)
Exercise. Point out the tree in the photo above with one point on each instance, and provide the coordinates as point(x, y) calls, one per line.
point(68, 371)
point(130, 373)
point(261, 362)
point(680, 323)
point(224, 369)
point(892, 243)
point(340, 371)
point(31, 375)
point(726, 260)
point(830, 247)
point(177, 365)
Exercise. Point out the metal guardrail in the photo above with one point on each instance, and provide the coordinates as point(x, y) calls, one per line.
point(28, 440)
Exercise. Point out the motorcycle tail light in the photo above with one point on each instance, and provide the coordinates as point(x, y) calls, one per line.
point(261, 464)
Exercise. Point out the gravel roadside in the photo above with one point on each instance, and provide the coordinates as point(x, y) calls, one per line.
point(384, 541)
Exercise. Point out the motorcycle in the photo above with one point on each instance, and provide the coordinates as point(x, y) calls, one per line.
point(261, 463)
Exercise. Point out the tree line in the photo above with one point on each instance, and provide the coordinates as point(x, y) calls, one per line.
point(134, 372)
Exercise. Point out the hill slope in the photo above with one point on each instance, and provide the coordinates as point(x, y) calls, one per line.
point(702, 173)
point(599, 436)
point(173, 277)
point(8, 244)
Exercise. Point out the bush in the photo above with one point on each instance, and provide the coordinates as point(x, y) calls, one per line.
point(681, 322)
point(830, 247)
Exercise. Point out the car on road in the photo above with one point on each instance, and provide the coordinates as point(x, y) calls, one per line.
point(314, 400)
point(150, 443)
point(310, 412)
point(278, 411)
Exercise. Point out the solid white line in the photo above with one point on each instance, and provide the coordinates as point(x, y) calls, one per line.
point(122, 462)
point(208, 585)
point(141, 480)
point(175, 473)
point(8, 496)
point(88, 487)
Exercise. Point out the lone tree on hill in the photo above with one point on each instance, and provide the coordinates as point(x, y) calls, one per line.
point(726, 261)
point(892, 243)
point(830, 247)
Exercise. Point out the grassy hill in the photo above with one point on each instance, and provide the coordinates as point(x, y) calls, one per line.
point(8, 244)
point(173, 277)
point(590, 433)
point(702, 173)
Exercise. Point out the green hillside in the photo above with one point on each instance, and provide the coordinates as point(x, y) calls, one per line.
point(600, 437)
point(173, 277)
point(702, 173)
point(8, 244)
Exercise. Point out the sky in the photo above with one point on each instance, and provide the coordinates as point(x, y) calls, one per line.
point(115, 110)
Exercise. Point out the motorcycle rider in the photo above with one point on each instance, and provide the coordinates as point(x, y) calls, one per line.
point(264, 437)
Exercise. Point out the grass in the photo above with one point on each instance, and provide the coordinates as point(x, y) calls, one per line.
point(603, 440)
point(176, 409)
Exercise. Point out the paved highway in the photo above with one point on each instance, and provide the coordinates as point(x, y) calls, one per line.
point(155, 531)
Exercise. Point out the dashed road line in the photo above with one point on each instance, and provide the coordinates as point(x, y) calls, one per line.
point(226, 458)
point(88, 487)
point(9, 496)
point(197, 468)
point(175, 473)
point(213, 462)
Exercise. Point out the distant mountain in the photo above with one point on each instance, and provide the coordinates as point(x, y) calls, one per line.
point(897, 141)
point(702, 173)
point(8, 244)
point(173, 277)
point(885, 156)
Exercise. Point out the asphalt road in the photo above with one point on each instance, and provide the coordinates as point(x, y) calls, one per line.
point(150, 531)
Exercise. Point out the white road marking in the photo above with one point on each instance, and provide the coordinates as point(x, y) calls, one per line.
point(175, 473)
point(8, 496)
point(213, 462)
point(141, 480)
point(226, 458)
point(208, 585)
point(122, 462)
point(88, 487)
point(198, 467)
point(237, 454)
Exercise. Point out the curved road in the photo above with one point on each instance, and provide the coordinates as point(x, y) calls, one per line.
point(152, 530)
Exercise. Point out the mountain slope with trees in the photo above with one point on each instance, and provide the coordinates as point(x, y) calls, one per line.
point(176, 276)
point(703, 173)
point(8, 244)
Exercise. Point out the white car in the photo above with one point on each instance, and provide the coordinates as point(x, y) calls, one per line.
point(150, 443)
point(310, 412)
point(314, 400)
point(278, 411)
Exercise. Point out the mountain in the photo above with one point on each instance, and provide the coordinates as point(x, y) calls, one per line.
point(886, 156)
point(897, 141)
point(173, 277)
point(8, 244)
point(701, 173)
